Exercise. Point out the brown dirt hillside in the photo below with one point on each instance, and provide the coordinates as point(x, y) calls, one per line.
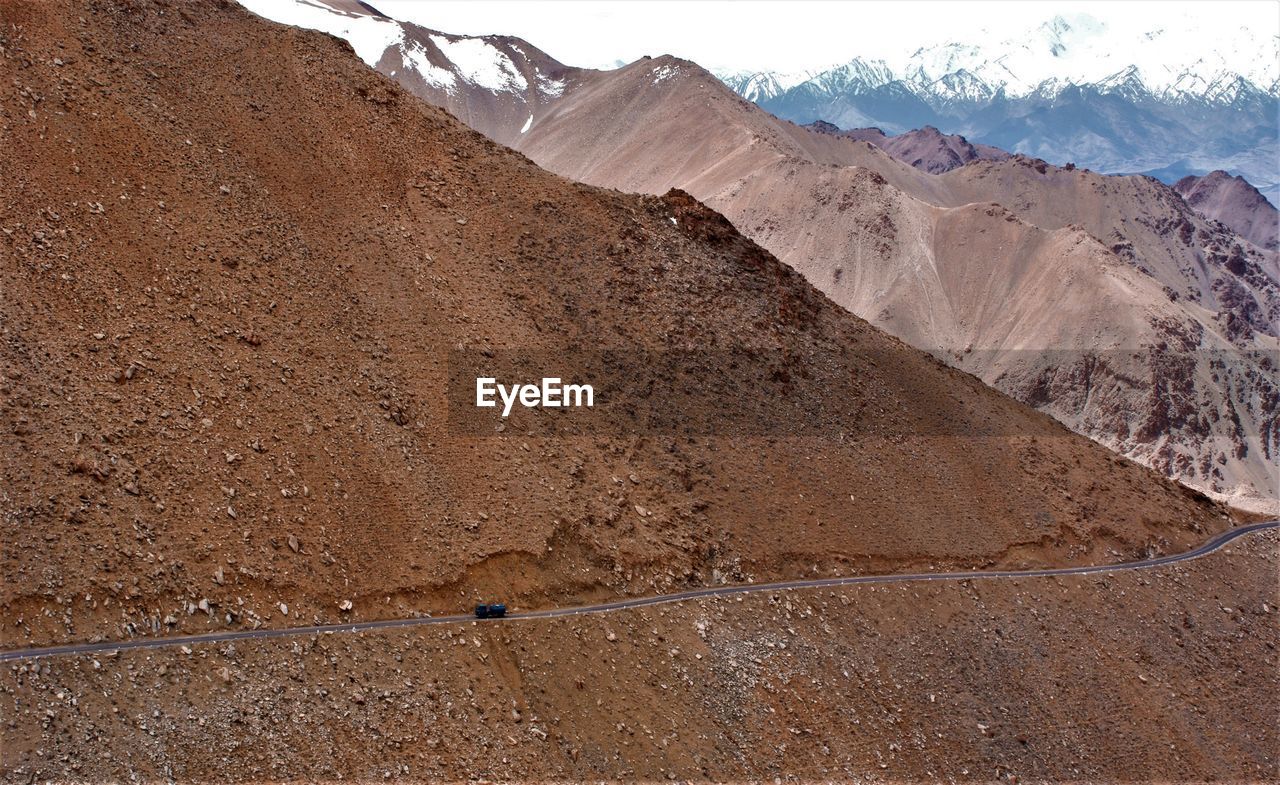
point(237, 270)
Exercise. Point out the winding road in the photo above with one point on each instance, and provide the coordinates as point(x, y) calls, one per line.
point(1212, 545)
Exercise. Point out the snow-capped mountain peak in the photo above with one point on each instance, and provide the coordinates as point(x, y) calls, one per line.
point(1075, 49)
point(961, 85)
point(1172, 99)
point(442, 61)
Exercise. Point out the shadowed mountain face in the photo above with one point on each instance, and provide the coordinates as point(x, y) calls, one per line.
point(1234, 202)
point(1105, 301)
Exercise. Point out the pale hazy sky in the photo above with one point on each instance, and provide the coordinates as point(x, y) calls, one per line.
point(801, 34)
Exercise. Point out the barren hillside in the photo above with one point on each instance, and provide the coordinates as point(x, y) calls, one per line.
point(241, 277)
point(1159, 341)
point(233, 306)
point(1185, 352)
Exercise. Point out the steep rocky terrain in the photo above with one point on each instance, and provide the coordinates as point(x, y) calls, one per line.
point(240, 313)
point(1234, 202)
point(927, 148)
point(1171, 362)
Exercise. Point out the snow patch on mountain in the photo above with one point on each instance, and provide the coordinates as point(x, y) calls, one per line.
point(415, 56)
point(762, 85)
point(664, 72)
point(369, 36)
point(481, 63)
point(552, 88)
point(1170, 101)
point(1080, 49)
point(452, 63)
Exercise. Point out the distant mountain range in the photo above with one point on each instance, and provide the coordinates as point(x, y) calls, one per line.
point(925, 148)
point(1068, 91)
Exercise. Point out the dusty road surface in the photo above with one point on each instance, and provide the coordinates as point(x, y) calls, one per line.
point(1212, 545)
point(1165, 674)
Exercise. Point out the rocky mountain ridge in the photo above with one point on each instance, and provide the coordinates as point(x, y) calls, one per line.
point(234, 315)
point(1234, 202)
point(927, 149)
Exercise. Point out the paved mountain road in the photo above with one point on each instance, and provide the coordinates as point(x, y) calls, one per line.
point(638, 602)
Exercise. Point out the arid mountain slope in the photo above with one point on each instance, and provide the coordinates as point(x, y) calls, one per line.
point(1145, 223)
point(241, 314)
point(1234, 202)
point(1184, 342)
